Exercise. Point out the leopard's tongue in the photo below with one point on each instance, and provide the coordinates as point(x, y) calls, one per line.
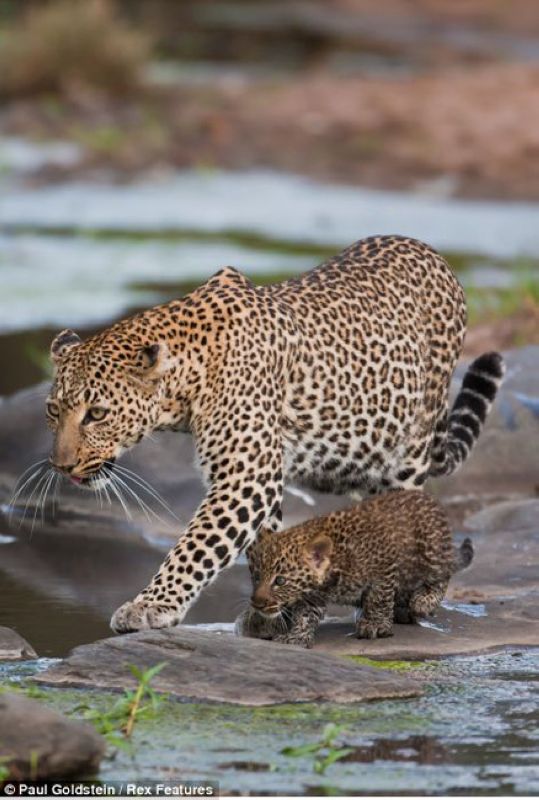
point(76, 480)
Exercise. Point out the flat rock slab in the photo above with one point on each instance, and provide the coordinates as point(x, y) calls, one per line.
point(40, 743)
point(220, 667)
point(453, 631)
point(13, 647)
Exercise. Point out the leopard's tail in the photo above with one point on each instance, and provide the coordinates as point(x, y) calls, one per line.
point(463, 555)
point(456, 435)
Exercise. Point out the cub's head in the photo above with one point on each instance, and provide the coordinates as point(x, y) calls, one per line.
point(285, 567)
point(105, 397)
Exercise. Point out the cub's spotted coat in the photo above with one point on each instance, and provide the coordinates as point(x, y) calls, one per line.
point(337, 379)
point(392, 556)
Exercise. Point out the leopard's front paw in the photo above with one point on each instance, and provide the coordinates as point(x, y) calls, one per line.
point(141, 615)
point(365, 629)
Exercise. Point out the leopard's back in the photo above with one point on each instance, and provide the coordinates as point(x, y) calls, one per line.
point(379, 330)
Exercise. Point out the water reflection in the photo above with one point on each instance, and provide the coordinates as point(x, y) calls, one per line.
point(59, 592)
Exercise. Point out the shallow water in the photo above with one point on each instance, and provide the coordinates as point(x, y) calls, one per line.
point(474, 731)
point(83, 255)
point(59, 594)
point(276, 206)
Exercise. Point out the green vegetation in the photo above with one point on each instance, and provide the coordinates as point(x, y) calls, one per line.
point(61, 46)
point(40, 358)
point(4, 769)
point(488, 303)
point(324, 752)
point(242, 238)
point(118, 722)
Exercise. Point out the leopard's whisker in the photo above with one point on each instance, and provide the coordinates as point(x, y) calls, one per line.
point(57, 484)
point(286, 613)
point(36, 488)
point(40, 500)
point(94, 484)
point(143, 484)
point(282, 622)
point(133, 494)
point(106, 491)
point(146, 508)
point(22, 483)
point(118, 494)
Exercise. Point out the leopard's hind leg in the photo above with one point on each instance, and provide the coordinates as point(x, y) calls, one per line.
point(426, 599)
point(377, 606)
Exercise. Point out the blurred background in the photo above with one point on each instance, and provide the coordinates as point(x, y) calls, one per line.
point(143, 145)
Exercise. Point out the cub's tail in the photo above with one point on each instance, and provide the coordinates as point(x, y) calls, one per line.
point(463, 555)
point(456, 435)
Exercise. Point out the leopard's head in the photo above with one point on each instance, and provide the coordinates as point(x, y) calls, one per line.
point(106, 396)
point(285, 568)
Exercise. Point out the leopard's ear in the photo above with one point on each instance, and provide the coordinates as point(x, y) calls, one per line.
point(64, 342)
point(319, 551)
point(153, 361)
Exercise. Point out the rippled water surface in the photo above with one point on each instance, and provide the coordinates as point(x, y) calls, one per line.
point(475, 731)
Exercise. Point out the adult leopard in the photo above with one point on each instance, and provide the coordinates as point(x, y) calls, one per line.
point(337, 379)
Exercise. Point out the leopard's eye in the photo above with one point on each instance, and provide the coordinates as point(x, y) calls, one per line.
point(53, 410)
point(95, 414)
point(256, 577)
point(280, 580)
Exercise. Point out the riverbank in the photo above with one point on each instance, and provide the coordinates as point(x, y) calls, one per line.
point(446, 132)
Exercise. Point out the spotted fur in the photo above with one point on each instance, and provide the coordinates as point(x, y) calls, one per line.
point(337, 379)
point(391, 556)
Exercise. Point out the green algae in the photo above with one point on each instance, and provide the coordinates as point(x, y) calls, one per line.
point(476, 723)
point(396, 666)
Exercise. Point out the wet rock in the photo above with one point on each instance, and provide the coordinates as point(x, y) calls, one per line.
point(511, 515)
point(202, 666)
point(455, 630)
point(38, 743)
point(13, 647)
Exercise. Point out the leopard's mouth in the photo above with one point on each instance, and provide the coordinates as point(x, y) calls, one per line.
point(95, 479)
point(269, 612)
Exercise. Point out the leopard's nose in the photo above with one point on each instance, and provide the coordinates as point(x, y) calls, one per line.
point(258, 602)
point(67, 469)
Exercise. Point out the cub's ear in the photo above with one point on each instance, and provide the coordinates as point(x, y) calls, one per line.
point(318, 552)
point(63, 342)
point(153, 361)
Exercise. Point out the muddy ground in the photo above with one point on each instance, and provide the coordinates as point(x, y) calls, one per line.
point(429, 96)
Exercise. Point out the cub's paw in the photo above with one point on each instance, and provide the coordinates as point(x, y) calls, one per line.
point(307, 642)
point(373, 630)
point(140, 615)
point(251, 623)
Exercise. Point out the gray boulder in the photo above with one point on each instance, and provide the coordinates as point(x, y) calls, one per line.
point(219, 667)
point(13, 647)
point(38, 743)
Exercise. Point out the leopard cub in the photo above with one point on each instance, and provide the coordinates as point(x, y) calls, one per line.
point(391, 556)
